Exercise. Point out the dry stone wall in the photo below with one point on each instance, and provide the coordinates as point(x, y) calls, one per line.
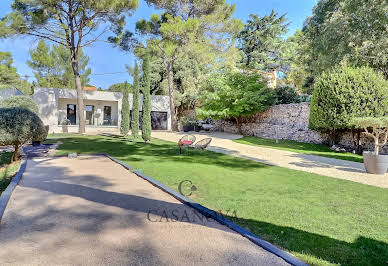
point(287, 121)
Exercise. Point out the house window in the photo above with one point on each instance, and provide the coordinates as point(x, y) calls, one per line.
point(89, 110)
point(72, 114)
point(107, 115)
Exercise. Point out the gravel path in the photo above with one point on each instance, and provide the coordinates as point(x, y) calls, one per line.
point(223, 143)
point(91, 211)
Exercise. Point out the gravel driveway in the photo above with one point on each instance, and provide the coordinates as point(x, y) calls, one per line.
point(91, 211)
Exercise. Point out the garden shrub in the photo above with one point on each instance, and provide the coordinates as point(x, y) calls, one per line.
point(235, 95)
point(287, 95)
point(18, 126)
point(135, 103)
point(345, 93)
point(124, 127)
point(21, 102)
point(146, 124)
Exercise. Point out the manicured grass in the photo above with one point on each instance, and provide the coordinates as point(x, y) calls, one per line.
point(301, 147)
point(7, 170)
point(319, 219)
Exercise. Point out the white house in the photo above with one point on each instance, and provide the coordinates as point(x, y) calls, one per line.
point(58, 107)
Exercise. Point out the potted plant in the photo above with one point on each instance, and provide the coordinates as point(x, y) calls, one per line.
point(197, 126)
point(65, 123)
point(186, 124)
point(377, 129)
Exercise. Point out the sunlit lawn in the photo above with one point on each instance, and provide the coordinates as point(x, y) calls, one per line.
point(319, 219)
point(301, 147)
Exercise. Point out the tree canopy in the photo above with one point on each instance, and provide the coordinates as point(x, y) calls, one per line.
point(9, 76)
point(52, 66)
point(72, 23)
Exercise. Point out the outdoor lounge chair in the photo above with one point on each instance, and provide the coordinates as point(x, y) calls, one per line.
point(202, 144)
point(186, 141)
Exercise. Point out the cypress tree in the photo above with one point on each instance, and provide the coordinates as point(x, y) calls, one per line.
point(146, 126)
point(135, 104)
point(124, 127)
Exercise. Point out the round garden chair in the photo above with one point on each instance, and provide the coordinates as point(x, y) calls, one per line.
point(202, 144)
point(186, 141)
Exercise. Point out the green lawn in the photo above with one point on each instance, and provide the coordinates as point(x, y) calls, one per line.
point(7, 170)
point(301, 147)
point(319, 219)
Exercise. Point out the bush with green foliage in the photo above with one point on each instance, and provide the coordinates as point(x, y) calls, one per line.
point(375, 128)
point(345, 93)
point(287, 95)
point(235, 95)
point(124, 127)
point(135, 103)
point(21, 102)
point(146, 124)
point(18, 126)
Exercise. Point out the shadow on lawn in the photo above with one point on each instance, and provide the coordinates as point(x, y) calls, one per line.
point(155, 151)
point(363, 251)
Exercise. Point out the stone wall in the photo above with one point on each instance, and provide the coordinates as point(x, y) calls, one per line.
point(287, 121)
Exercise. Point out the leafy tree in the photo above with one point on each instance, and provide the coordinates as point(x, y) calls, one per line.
point(124, 128)
point(146, 125)
point(8, 73)
point(235, 95)
point(71, 23)
point(200, 28)
point(298, 72)
point(345, 93)
point(52, 67)
point(18, 126)
point(349, 30)
point(23, 102)
point(261, 41)
point(135, 103)
point(287, 95)
point(118, 87)
point(9, 76)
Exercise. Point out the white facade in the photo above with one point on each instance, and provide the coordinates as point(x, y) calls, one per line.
point(104, 109)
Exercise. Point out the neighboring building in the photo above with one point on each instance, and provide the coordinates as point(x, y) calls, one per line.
point(58, 107)
point(5, 93)
point(89, 88)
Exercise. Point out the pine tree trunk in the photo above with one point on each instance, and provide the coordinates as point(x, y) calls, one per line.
point(15, 153)
point(174, 123)
point(80, 95)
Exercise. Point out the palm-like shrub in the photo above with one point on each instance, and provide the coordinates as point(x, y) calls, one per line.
point(18, 126)
point(21, 102)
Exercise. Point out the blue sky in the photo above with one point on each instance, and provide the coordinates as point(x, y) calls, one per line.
point(106, 59)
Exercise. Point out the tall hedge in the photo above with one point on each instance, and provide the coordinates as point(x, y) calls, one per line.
point(345, 93)
point(146, 125)
point(18, 126)
point(21, 102)
point(135, 103)
point(124, 127)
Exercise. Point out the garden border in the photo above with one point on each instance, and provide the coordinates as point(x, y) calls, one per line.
point(7, 193)
point(212, 214)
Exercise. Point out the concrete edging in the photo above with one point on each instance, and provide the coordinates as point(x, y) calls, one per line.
point(7, 193)
point(212, 214)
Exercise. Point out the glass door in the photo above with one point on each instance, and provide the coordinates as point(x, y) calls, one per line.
point(89, 117)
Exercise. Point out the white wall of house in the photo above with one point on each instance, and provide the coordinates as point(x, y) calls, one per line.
point(53, 106)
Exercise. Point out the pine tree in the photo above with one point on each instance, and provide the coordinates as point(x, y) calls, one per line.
point(124, 128)
point(146, 126)
point(135, 104)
